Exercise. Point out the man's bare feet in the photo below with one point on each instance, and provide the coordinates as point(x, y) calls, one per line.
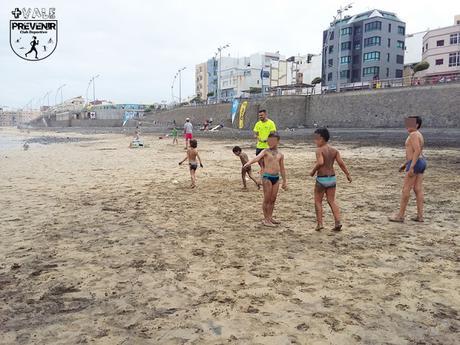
point(396, 219)
point(268, 223)
point(319, 227)
point(337, 227)
point(417, 219)
point(274, 221)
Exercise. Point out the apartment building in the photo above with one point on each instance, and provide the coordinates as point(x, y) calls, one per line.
point(363, 47)
point(441, 49)
point(201, 80)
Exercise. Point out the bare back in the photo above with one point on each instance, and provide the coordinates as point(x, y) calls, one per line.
point(191, 155)
point(329, 155)
point(413, 141)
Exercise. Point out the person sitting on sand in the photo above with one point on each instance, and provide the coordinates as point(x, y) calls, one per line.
point(192, 156)
point(326, 181)
point(273, 167)
point(414, 167)
point(245, 171)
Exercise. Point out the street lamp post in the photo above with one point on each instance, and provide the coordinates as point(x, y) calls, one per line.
point(57, 92)
point(179, 72)
point(219, 76)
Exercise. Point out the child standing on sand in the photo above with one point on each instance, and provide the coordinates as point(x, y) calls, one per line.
point(192, 156)
point(245, 171)
point(174, 135)
point(273, 167)
point(325, 177)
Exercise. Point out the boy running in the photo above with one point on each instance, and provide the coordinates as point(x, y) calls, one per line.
point(245, 171)
point(325, 177)
point(273, 167)
point(192, 156)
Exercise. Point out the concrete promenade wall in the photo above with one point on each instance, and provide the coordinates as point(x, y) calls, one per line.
point(438, 105)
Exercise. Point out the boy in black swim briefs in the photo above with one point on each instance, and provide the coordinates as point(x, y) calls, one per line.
point(273, 168)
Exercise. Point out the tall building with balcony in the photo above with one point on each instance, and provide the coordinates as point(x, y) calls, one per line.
point(441, 49)
point(201, 80)
point(362, 48)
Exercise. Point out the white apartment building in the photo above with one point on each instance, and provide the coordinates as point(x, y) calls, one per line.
point(201, 80)
point(441, 49)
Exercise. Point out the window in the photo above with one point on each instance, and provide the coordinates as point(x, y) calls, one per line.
point(401, 30)
point(426, 46)
point(345, 74)
point(358, 30)
point(331, 37)
point(372, 56)
point(400, 44)
point(331, 49)
point(346, 31)
point(399, 73)
point(373, 26)
point(388, 57)
point(372, 41)
point(454, 59)
point(388, 72)
point(439, 62)
point(345, 59)
point(400, 59)
point(357, 45)
point(346, 46)
point(455, 38)
point(329, 76)
point(389, 43)
point(440, 43)
point(330, 63)
point(373, 71)
point(389, 29)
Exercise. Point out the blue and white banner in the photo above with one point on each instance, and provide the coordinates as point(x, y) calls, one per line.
point(128, 116)
point(234, 108)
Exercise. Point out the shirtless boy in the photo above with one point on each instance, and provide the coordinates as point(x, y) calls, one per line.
point(273, 167)
point(192, 156)
point(414, 167)
point(245, 171)
point(326, 181)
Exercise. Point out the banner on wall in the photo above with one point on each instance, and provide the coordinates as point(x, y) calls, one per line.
point(128, 116)
point(234, 109)
point(242, 113)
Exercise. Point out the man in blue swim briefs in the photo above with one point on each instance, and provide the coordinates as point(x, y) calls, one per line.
point(414, 168)
point(273, 167)
point(326, 155)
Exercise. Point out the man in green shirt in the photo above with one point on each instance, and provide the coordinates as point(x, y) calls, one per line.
point(262, 130)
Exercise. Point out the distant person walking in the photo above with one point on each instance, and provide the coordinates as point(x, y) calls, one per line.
point(414, 168)
point(262, 129)
point(188, 132)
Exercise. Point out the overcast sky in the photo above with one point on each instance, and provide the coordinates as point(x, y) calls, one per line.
point(138, 45)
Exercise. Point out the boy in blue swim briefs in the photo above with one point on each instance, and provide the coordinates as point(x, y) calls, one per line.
point(273, 168)
point(414, 168)
point(326, 155)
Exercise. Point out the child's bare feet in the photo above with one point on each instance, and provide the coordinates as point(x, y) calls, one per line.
point(244, 189)
point(319, 227)
point(268, 223)
point(337, 227)
point(274, 221)
point(193, 186)
point(396, 219)
point(417, 219)
point(259, 185)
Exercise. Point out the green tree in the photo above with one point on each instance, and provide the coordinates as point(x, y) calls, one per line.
point(316, 80)
point(421, 66)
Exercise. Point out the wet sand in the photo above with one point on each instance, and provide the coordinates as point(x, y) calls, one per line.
point(102, 244)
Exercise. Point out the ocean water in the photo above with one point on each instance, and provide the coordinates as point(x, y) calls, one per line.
point(8, 142)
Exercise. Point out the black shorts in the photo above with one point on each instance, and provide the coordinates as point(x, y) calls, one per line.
point(193, 166)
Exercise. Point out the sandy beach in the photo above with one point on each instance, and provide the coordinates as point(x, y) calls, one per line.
point(102, 244)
